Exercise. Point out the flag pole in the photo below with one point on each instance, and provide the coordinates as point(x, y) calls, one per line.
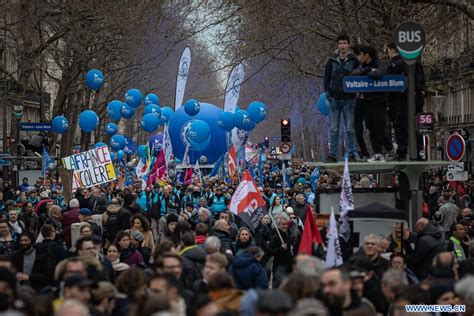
point(276, 226)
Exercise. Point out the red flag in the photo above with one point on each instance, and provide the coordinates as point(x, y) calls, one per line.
point(188, 176)
point(247, 201)
point(310, 234)
point(231, 160)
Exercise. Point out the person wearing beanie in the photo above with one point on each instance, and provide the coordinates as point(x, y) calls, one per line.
point(85, 216)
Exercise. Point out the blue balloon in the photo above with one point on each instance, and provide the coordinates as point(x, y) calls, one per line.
point(323, 104)
point(113, 110)
point(127, 111)
point(192, 107)
point(141, 151)
point(60, 124)
point(118, 142)
point(94, 79)
point(166, 114)
point(88, 121)
point(258, 111)
point(152, 98)
point(243, 121)
point(99, 144)
point(112, 156)
point(152, 108)
point(225, 120)
point(111, 129)
point(133, 98)
point(120, 154)
point(180, 124)
point(199, 132)
point(201, 146)
point(150, 122)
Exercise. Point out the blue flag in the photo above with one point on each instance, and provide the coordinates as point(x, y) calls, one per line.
point(217, 166)
point(314, 178)
point(46, 161)
point(260, 169)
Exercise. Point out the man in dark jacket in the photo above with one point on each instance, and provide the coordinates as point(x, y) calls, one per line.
point(340, 103)
point(427, 246)
point(81, 197)
point(70, 217)
point(96, 202)
point(222, 231)
point(194, 258)
point(375, 104)
point(247, 271)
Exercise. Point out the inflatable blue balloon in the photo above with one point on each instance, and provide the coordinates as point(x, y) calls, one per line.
point(112, 156)
point(150, 122)
point(323, 104)
point(166, 114)
point(180, 124)
point(120, 154)
point(99, 144)
point(199, 132)
point(111, 129)
point(243, 121)
point(118, 142)
point(151, 98)
point(127, 111)
point(192, 107)
point(94, 79)
point(152, 108)
point(225, 120)
point(141, 151)
point(88, 121)
point(60, 124)
point(258, 111)
point(200, 147)
point(113, 110)
point(133, 98)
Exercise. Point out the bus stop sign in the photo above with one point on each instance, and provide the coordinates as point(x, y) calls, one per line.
point(409, 37)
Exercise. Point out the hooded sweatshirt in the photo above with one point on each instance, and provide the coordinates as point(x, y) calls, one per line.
point(427, 246)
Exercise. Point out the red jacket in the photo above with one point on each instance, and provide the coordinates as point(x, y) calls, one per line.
point(70, 217)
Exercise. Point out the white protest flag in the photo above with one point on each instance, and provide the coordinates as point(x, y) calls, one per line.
point(346, 203)
point(90, 167)
point(167, 147)
point(333, 255)
point(185, 161)
point(283, 175)
point(183, 72)
point(232, 92)
point(197, 171)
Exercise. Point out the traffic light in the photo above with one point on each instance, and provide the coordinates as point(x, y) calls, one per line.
point(285, 130)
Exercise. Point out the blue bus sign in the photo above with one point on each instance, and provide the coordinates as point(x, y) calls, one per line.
point(360, 84)
point(35, 127)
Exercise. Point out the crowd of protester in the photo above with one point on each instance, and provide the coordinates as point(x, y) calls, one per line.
point(178, 250)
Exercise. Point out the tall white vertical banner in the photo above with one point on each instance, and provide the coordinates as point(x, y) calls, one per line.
point(333, 254)
point(346, 203)
point(232, 92)
point(183, 71)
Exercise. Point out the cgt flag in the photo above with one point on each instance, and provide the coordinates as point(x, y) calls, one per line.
point(247, 202)
point(231, 160)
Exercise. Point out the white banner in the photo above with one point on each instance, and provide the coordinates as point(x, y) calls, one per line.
point(91, 168)
point(167, 147)
point(333, 255)
point(346, 202)
point(183, 71)
point(232, 92)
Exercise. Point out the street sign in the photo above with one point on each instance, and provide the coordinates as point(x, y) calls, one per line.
point(284, 157)
point(389, 83)
point(276, 138)
point(425, 123)
point(285, 148)
point(4, 163)
point(409, 37)
point(32, 127)
point(18, 110)
point(457, 175)
point(457, 167)
point(5, 156)
point(455, 147)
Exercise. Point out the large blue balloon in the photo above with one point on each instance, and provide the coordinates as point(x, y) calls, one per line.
point(200, 147)
point(192, 107)
point(243, 121)
point(60, 124)
point(150, 122)
point(133, 98)
point(88, 121)
point(120, 154)
point(141, 151)
point(118, 142)
point(225, 120)
point(111, 129)
point(258, 111)
point(166, 114)
point(199, 132)
point(113, 110)
point(94, 79)
point(127, 111)
point(152, 108)
point(151, 98)
point(323, 104)
point(99, 144)
point(180, 124)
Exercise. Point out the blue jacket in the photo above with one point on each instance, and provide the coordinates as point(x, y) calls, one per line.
point(334, 75)
point(248, 273)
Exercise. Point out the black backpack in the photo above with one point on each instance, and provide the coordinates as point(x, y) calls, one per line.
point(112, 226)
point(44, 262)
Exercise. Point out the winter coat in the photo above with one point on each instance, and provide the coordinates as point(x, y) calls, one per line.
point(82, 200)
point(226, 242)
point(427, 246)
point(70, 217)
point(334, 75)
point(248, 273)
point(194, 258)
point(283, 259)
point(375, 69)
